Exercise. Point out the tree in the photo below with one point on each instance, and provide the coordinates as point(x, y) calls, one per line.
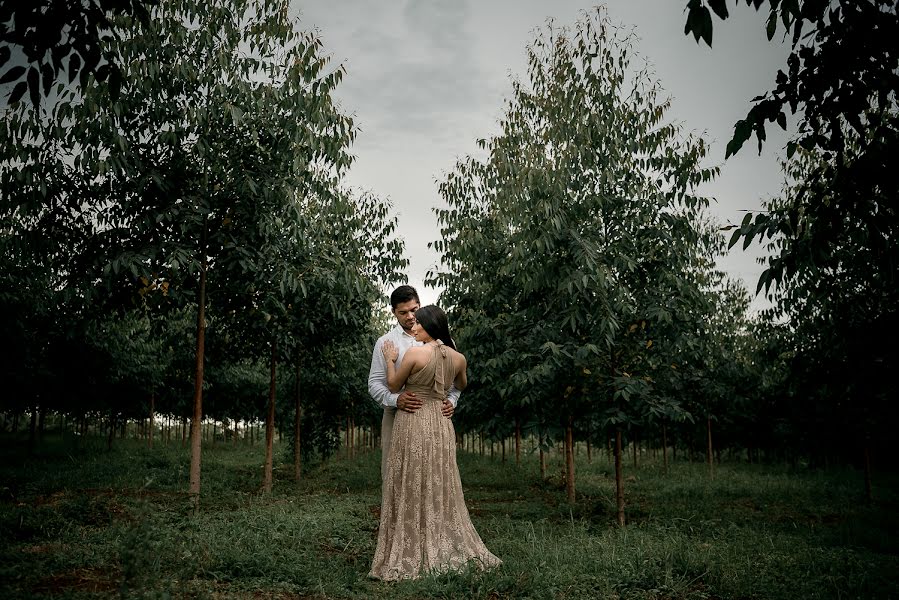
point(225, 118)
point(843, 77)
point(833, 234)
point(581, 223)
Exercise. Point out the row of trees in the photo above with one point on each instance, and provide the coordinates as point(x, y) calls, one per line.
point(580, 267)
point(201, 185)
point(200, 189)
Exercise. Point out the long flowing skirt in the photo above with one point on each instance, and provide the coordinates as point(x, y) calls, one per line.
point(425, 524)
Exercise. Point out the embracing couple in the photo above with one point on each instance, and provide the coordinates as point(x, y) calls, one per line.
point(417, 375)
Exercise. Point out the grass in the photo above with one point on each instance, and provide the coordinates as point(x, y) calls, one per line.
point(79, 522)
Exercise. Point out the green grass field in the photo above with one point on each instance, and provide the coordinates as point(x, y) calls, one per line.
point(79, 522)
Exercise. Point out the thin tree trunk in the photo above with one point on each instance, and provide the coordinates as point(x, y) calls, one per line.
point(297, 457)
point(636, 449)
point(619, 483)
point(589, 449)
point(270, 425)
point(569, 461)
point(112, 423)
point(32, 432)
point(504, 450)
point(152, 417)
point(709, 453)
point(542, 458)
point(517, 442)
point(196, 421)
point(346, 437)
point(869, 494)
point(40, 422)
point(665, 446)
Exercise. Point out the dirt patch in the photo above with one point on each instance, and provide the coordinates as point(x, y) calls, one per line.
point(43, 549)
point(92, 580)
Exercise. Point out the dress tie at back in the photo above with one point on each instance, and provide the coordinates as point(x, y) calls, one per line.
point(439, 374)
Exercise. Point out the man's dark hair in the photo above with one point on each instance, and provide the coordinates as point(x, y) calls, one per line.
point(433, 319)
point(404, 293)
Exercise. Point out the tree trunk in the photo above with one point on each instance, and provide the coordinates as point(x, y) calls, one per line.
point(196, 421)
point(346, 437)
point(569, 461)
point(665, 446)
point(517, 442)
point(869, 495)
point(112, 423)
point(542, 457)
point(270, 424)
point(589, 449)
point(32, 432)
point(709, 453)
point(636, 450)
point(152, 416)
point(40, 422)
point(619, 483)
point(297, 457)
point(504, 450)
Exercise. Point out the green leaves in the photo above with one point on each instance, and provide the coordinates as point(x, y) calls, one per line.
point(575, 237)
point(699, 20)
point(193, 158)
point(720, 8)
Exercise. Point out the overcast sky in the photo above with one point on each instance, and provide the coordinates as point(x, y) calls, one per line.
point(427, 78)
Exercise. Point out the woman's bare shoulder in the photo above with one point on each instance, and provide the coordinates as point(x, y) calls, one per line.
point(416, 351)
point(457, 355)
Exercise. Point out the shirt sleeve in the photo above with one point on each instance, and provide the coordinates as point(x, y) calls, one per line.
point(377, 378)
point(453, 395)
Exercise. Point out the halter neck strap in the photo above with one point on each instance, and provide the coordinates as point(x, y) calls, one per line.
point(440, 374)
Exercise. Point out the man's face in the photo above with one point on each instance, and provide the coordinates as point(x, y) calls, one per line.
point(405, 314)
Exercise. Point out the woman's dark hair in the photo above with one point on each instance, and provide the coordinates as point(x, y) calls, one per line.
point(433, 319)
point(404, 293)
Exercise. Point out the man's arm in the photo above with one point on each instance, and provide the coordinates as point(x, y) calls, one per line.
point(377, 379)
point(453, 395)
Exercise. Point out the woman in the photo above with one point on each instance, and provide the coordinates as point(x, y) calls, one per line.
point(424, 522)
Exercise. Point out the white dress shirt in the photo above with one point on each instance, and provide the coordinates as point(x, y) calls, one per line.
point(377, 374)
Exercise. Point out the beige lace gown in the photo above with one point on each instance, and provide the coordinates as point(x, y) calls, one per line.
point(424, 522)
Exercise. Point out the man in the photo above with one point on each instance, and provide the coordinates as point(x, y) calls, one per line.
point(403, 303)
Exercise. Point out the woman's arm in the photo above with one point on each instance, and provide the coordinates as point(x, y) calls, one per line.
point(461, 380)
point(396, 377)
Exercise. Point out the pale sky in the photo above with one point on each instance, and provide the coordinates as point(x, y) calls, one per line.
point(427, 78)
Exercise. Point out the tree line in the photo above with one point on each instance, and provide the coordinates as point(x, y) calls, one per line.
point(580, 263)
point(177, 240)
point(174, 237)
